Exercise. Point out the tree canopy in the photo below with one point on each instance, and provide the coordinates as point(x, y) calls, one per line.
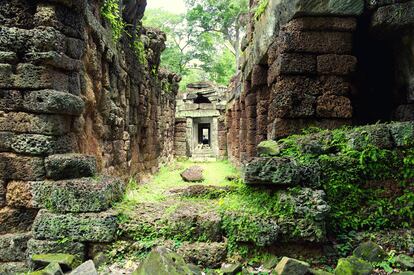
point(204, 43)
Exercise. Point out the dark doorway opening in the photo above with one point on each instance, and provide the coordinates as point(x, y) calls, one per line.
point(201, 99)
point(375, 80)
point(204, 135)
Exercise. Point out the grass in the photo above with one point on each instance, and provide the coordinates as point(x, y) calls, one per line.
point(168, 178)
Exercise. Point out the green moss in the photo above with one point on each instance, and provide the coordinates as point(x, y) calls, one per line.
point(261, 8)
point(139, 49)
point(110, 11)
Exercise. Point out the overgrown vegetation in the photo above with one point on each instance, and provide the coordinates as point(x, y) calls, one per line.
point(110, 11)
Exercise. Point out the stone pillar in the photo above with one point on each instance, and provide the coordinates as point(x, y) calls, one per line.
point(190, 135)
point(214, 136)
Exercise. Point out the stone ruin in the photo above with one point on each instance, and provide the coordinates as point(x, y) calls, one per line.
point(199, 126)
point(78, 111)
point(322, 63)
point(74, 105)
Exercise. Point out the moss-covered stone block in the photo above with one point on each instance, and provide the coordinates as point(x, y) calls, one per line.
point(66, 261)
point(405, 261)
point(163, 261)
point(377, 135)
point(288, 266)
point(86, 227)
point(402, 133)
point(51, 269)
point(13, 247)
point(77, 195)
point(370, 251)
point(268, 148)
point(353, 266)
point(281, 171)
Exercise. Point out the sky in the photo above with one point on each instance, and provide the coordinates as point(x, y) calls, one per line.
point(174, 6)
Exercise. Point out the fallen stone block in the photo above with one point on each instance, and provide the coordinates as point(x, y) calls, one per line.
point(13, 247)
point(353, 265)
point(87, 227)
point(193, 174)
point(50, 269)
point(370, 252)
point(402, 133)
point(85, 268)
point(163, 261)
point(66, 261)
point(288, 266)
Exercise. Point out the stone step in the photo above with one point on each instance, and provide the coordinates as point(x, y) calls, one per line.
point(173, 219)
point(75, 195)
point(85, 227)
point(70, 166)
point(13, 247)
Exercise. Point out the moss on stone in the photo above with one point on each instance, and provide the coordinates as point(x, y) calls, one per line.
point(353, 266)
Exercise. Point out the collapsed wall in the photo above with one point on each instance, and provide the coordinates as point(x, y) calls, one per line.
point(304, 64)
point(73, 104)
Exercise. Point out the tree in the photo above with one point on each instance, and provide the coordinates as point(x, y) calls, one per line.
point(226, 17)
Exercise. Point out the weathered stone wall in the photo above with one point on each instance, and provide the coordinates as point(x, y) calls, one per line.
point(66, 87)
point(300, 68)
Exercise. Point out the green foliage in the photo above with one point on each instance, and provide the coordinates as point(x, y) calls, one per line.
point(110, 11)
point(139, 49)
point(355, 181)
point(260, 9)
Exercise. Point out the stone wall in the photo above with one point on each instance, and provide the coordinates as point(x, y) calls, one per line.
point(300, 67)
point(73, 104)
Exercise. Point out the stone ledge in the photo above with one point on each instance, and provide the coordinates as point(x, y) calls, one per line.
point(70, 166)
point(13, 247)
point(87, 227)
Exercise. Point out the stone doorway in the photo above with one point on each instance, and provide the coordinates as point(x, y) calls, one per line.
point(204, 134)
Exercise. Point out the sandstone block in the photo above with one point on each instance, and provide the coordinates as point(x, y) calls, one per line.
point(310, 85)
point(34, 124)
point(193, 174)
point(52, 102)
point(291, 105)
point(33, 144)
point(19, 195)
point(54, 59)
point(352, 265)
point(29, 76)
point(333, 64)
point(10, 100)
point(66, 261)
point(16, 167)
point(69, 166)
point(316, 42)
point(259, 75)
point(88, 227)
point(330, 7)
point(85, 268)
point(13, 247)
point(340, 24)
point(293, 63)
point(333, 106)
point(46, 247)
point(14, 268)
point(250, 99)
point(16, 220)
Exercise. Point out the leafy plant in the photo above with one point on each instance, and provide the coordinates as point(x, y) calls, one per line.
point(110, 11)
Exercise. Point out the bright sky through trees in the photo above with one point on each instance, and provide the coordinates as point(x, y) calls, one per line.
point(173, 6)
